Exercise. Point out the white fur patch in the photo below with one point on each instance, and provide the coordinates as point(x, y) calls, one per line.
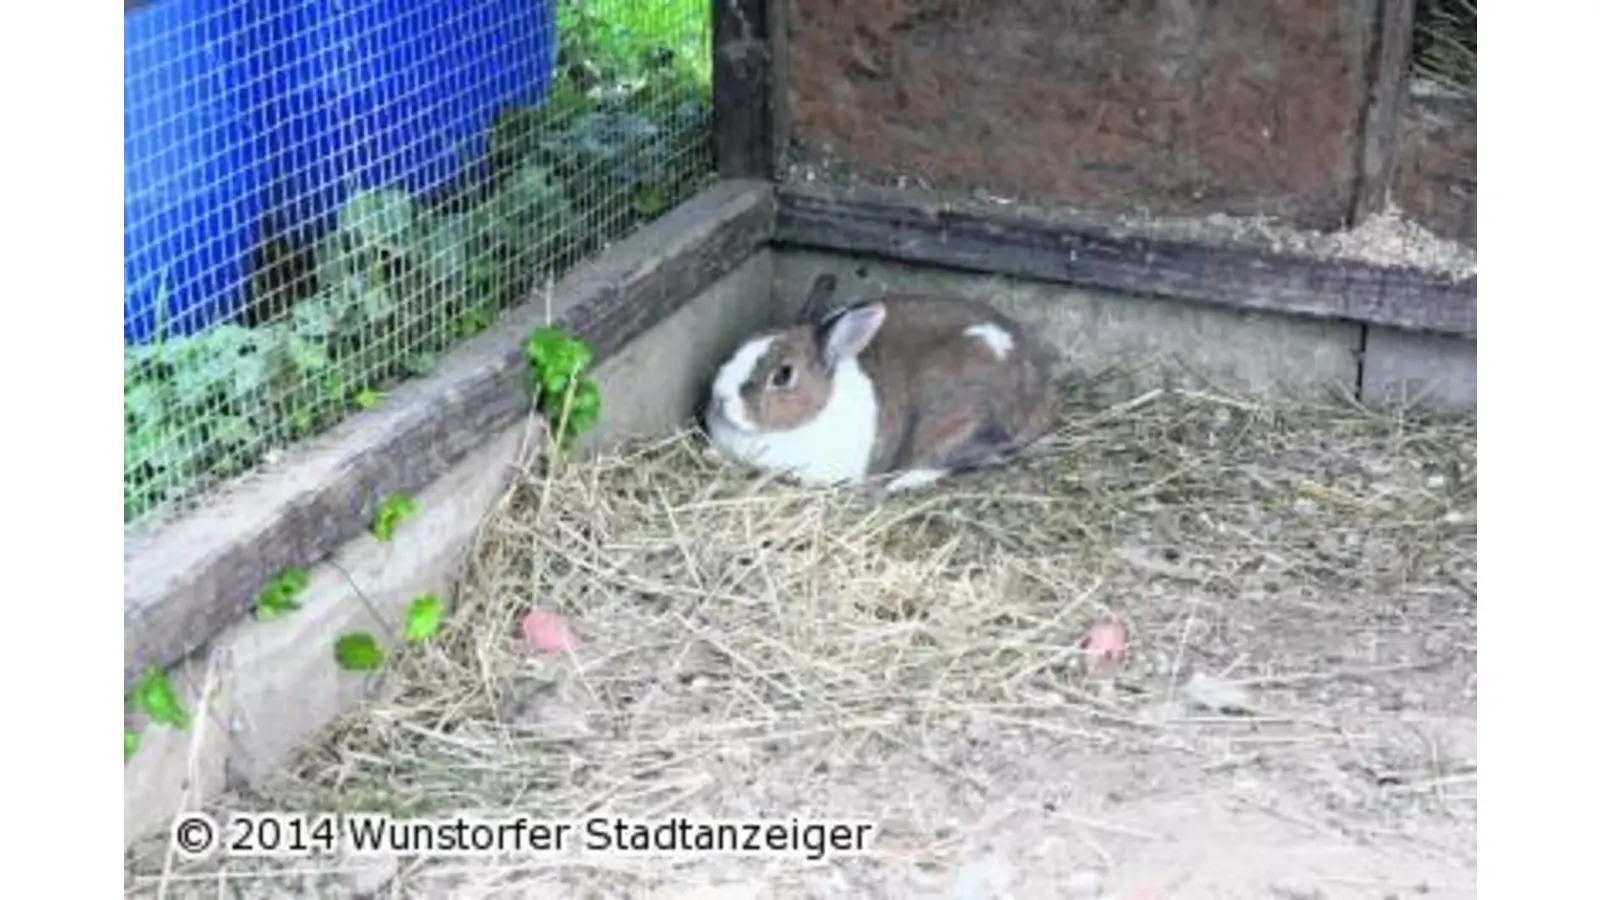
point(833, 448)
point(997, 339)
point(736, 371)
point(911, 479)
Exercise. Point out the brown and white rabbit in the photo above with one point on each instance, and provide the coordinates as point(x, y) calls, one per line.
point(910, 388)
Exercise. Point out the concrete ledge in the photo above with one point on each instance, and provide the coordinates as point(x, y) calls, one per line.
point(188, 579)
point(653, 386)
point(274, 685)
point(1438, 372)
point(1158, 342)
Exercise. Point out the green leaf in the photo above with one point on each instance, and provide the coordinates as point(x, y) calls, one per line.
point(423, 618)
point(308, 354)
point(581, 414)
point(301, 421)
point(474, 321)
point(358, 652)
point(445, 248)
point(232, 431)
point(154, 696)
point(379, 218)
point(130, 743)
point(556, 355)
point(650, 201)
point(420, 364)
point(315, 318)
point(530, 202)
point(552, 383)
point(144, 401)
point(585, 398)
point(378, 302)
point(542, 343)
point(367, 398)
point(281, 595)
point(393, 510)
point(579, 423)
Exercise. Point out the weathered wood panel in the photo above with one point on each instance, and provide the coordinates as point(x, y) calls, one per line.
point(913, 227)
point(1436, 165)
point(1391, 63)
point(742, 88)
point(1178, 107)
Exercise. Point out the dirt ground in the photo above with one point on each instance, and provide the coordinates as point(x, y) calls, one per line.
point(1292, 715)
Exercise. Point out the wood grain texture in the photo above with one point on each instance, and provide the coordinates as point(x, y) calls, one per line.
point(1390, 82)
point(1436, 165)
point(742, 88)
point(186, 579)
point(1063, 248)
point(1246, 107)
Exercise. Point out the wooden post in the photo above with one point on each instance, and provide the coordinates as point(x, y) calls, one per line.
point(743, 87)
point(1389, 80)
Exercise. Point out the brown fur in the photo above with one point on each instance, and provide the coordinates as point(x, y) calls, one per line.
point(944, 400)
point(782, 408)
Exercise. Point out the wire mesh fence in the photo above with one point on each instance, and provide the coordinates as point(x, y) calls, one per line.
point(321, 197)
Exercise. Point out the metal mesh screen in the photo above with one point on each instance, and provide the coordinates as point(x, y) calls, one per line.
point(321, 198)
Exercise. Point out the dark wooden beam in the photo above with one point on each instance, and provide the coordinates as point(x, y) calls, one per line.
point(1389, 84)
point(778, 86)
point(742, 85)
point(188, 578)
point(1057, 247)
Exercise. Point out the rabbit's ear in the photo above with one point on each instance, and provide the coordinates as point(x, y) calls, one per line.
point(816, 306)
point(849, 332)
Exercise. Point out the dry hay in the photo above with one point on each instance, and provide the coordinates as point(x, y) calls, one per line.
point(750, 649)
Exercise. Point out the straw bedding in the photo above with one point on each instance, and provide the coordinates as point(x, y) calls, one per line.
point(752, 649)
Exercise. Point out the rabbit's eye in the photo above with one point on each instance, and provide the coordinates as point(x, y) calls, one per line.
point(782, 375)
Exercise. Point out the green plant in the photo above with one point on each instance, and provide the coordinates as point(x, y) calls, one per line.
point(361, 652)
point(281, 595)
point(423, 618)
point(621, 137)
point(581, 409)
point(631, 45)
point(154, 696)
point(358, 652)
point(192, 406)
point(392, 510)
point(569, 401)
point(367, 398)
